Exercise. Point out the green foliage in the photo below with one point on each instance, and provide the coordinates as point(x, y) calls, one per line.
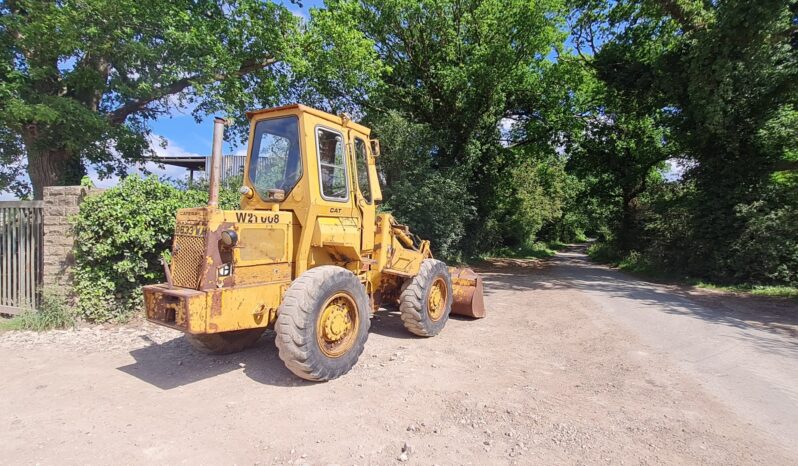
point(496, 134)
point(120, 237)
point(604, 253)
point(80, 81)
point(756, 290)
point(458, 59)
point(435, 204)
point(718, 80)
point(767, 249)
point(640, 264)
point(633, 262)
point(450, 71)
point(53, 313)
point(229, 197)
point(536, 250)
point(436, 208)
point(538, 201)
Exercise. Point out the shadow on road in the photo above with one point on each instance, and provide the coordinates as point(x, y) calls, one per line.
point(175, 363)
point(571, 269)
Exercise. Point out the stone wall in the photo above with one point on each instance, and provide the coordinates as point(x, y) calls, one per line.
point(60, 203)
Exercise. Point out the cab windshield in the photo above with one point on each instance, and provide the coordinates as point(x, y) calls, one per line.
point(275, 161)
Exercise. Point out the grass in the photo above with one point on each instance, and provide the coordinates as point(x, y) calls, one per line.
point(756, 290)
point(536, 250)
point(53, 313)
point(635, 264)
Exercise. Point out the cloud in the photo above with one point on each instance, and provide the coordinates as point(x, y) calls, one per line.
point(171, 149)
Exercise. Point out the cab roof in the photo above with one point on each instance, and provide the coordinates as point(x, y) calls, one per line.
point(338, 120)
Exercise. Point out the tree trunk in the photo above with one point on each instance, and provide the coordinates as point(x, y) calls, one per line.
point(626, 237)
point(55, 166)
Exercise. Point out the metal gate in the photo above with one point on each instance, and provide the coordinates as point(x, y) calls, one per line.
point(21, 229)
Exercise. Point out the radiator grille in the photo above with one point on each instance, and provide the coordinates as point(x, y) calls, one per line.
point(188, 254)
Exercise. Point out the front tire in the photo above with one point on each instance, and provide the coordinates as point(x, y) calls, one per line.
point(225, 342)
point(426, 299)
point(322, 323)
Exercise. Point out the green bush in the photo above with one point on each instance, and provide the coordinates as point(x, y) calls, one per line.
point(436, 208)
point(603, 253)
point(53, 313)
point(767, 250)
point(536, 250)
point(529, 198)
point(435, 203)
point(120, 237)
point(759, 246)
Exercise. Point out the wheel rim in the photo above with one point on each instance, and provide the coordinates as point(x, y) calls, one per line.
point(436, 300)
point(337, 325)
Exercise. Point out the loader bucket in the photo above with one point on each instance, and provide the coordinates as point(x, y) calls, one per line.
point(467, 293)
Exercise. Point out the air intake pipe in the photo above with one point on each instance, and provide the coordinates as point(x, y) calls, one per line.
point(216, 162)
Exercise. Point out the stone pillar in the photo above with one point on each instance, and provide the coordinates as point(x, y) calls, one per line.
point(60, 203)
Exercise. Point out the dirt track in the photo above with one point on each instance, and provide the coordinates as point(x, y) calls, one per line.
point(575, 364)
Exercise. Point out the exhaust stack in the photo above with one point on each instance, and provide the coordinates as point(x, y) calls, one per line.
point(216, 161)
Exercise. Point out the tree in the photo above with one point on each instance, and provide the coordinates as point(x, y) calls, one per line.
point(81, 79)
point(621, 154)
point(452, 66)
point(458, 59)
point(723, 78)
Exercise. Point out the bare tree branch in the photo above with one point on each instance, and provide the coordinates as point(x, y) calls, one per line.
point(118, 116)
point(786, 166)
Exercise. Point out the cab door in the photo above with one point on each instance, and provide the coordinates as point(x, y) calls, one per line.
point(364, 193)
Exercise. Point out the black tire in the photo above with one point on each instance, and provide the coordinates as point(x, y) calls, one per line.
point(414, 299)
point(301, 346)
point(225, 342)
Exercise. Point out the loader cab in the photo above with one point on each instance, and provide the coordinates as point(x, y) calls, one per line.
point(321, 167)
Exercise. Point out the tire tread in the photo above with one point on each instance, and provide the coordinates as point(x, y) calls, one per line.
point(411, 300)
point(296, 313)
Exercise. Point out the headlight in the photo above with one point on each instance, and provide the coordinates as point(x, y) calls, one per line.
point(246, 191)
point(229, 238)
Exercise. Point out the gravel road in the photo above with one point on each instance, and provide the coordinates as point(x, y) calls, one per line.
point(576, 364)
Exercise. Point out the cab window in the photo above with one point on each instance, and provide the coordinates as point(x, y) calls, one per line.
point(275, 162)
point(361, 159)
point(332, 165)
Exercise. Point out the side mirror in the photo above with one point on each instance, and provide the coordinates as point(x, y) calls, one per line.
point(375, 147)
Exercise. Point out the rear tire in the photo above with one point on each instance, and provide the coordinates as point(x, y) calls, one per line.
point(323, 323)
point(426, 299)
point(225, 342)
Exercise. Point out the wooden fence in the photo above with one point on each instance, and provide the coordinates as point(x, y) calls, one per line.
point(21, 228)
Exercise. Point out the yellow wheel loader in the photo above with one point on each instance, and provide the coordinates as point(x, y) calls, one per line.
point(307, 254)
